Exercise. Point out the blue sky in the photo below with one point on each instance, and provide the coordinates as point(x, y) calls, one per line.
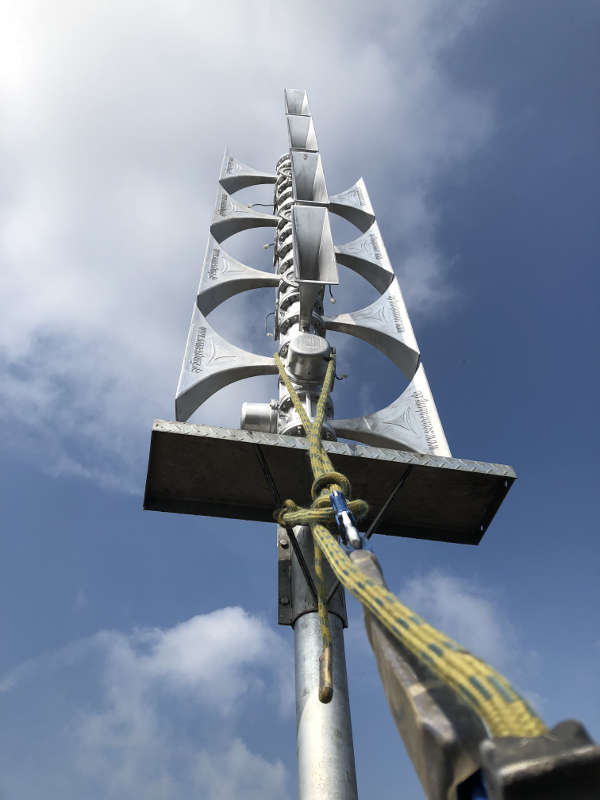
point(140, 652)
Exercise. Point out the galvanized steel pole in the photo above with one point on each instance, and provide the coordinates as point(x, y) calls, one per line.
point(324, 732)
point(324, 745)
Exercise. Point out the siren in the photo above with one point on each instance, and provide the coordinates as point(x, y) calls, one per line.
point(296, 102)
point(411, 422)
point(354, 205)
point(385, 324)
point(368, 257)
point(224, 276)
point(232, 217)
point(210, 363)
point(314, 256)
point(308, 178)
point(301, 132)
point(235, 175)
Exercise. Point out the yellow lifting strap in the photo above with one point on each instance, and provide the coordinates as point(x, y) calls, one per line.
point(488, 693)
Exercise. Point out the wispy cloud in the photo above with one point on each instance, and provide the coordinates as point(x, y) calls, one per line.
point(114, 121)
point(463, 611)
point(473, 616)
point(129, 700)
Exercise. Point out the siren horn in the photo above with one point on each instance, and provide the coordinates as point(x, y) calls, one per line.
point(210, 363)
point(235, 175)
point(368, 257)
point(223, 277)
point(385, 324)
point(314, 255)
point(411, 422)
point(354, 205)
point(231, 217)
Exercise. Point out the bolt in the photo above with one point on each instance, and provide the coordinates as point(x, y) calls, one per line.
point(284, 600)
point(284, 543)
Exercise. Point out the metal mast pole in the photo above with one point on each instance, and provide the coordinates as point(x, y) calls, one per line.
point(190, 466)
point(325, 750)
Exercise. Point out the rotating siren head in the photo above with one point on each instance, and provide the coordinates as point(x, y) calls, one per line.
point(235, 175)
point(224, 276)
point(232, 217)
point(210, 363)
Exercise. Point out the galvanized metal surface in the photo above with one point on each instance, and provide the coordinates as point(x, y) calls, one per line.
point(447, 499)
point(301, 587)
point(324, 733)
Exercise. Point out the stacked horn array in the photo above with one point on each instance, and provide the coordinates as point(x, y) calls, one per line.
point(305, 263)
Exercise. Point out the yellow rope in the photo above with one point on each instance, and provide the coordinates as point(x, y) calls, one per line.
point(479, 685)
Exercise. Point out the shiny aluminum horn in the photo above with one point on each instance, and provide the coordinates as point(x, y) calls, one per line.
point(314, 256)
point(210, 363)
point(296, 102)
point(236, 175)
point(301, 132)
point(386, 325)
point(308, 178)
point(368, 257)
point(410, 423)
point(354, 205)
point(224, 276)
point(232, 217)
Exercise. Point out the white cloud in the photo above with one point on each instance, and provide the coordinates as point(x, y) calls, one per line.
point(114, 121)
point(463, 612)
point(137, 729)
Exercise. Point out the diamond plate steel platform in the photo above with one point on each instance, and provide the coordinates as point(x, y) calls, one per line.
point(220, 472)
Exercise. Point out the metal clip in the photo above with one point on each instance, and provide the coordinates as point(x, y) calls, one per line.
point(345, 521)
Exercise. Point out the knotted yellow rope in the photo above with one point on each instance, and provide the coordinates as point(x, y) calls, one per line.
point(487, 692)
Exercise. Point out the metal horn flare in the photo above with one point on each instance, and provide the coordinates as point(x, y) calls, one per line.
point(209, 364)
point(368, 257)
point(308, 178)
point(296, 102)
point(385, 324)
point(301, 132)
point(223, 277)
point(314, 256)
point(410, 423)
point(231, 217)
point(354, 205)
point(236, 175)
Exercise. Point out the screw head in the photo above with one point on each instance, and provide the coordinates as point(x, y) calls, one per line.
point(284, 543)
point(284, 600)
